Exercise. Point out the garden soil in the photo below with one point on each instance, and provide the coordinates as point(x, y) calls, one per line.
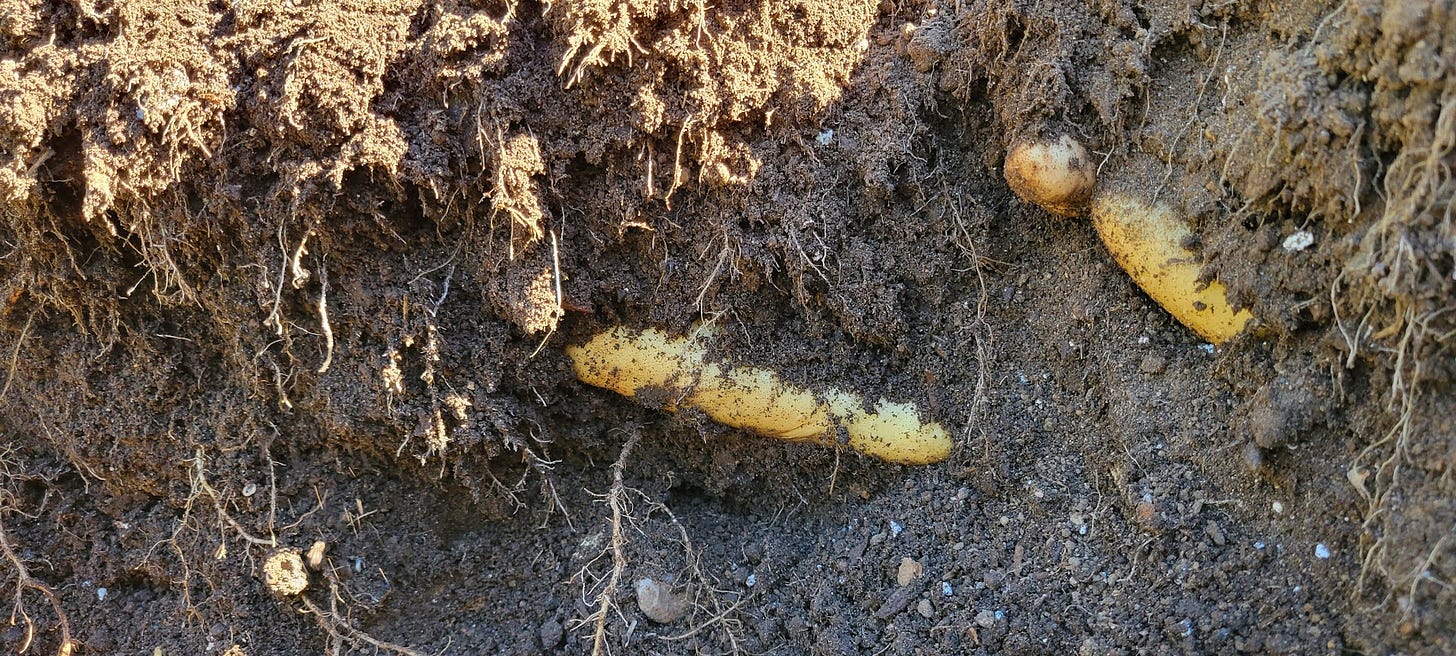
point(294, 278)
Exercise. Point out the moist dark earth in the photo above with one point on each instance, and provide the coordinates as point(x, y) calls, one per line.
point(298, 276)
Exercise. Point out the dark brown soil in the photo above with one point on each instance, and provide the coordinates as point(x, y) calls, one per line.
point(278, 274)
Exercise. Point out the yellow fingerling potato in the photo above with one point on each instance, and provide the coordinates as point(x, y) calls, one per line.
point(1147, 240)
point(630, 362)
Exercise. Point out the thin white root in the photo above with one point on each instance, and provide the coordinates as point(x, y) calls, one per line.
point(15, 355)
point(300, 274)
point(340, 630)
point(323, 310)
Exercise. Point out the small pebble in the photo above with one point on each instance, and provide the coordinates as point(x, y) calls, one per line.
point(1298, 241)
point(1321, 551)
point(1278, 508)
point(986, 619)
point(945, 589)
point(1215, 533)
point(909, 570)
point(1153, 364)
point(551, 633)
point(1253, 457)
point(895, 529)
point(925, 609)
point(101, 593)
point(658, 603)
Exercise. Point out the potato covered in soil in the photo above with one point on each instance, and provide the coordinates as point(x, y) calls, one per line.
point(1146, 239)
point(1054, 174)
point(677, 371)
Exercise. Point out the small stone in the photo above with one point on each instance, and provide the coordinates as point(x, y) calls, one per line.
point(986, 619)
point(1253, 457)
point(284, 574)
point(1321, 551)
point(1153, 364)
point(1146, 514)
point(908, 571)
point(925, 609)
point(551, 633)
point(1215, 533)
point(658, 602)
point(1298, 241)
point(1278, 508)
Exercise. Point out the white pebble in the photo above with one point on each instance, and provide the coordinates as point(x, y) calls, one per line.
point(1298, 241)
point(825, 137)
point(945, 589)
point(1278, 508)
point(1321, 551)
point(100, 594)
point(895, 529)
point(752, 580)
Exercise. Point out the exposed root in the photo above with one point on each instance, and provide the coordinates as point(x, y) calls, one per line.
point(25, 582)
point(200, 485)
point(708, 624)
point(323, 310)
point(558, 311)
point(703, 599)
point(617, 546)
point(722, 616)
point(15, 355)
point(337, 625)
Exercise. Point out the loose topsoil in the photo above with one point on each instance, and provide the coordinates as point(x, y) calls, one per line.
point(298, 275)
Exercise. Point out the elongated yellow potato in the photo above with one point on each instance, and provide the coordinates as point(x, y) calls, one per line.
point(631, 362)
point(1147, 240)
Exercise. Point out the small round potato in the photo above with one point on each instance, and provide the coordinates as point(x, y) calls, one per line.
point(1057, 175)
